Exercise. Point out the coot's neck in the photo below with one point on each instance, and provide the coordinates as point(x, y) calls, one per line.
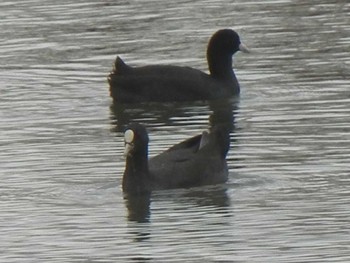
point(136, 174)
point(220, 65)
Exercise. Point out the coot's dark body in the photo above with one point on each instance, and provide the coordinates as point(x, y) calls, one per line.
point(200, 160)
point(163, 83)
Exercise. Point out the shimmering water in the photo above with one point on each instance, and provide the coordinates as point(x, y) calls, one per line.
point(288, 194)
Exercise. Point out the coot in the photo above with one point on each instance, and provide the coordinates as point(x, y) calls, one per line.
point(164, 83)
point(200, 160)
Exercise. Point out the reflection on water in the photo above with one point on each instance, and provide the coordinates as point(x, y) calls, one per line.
point(221, 112)
point(287, 196)
point(138, 207)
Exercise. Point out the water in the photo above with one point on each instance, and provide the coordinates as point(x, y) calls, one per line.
point(287, 198)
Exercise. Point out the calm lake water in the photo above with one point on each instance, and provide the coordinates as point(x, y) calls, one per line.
point(288, 194)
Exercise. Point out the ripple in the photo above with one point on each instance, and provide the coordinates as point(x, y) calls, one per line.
point(61, 140)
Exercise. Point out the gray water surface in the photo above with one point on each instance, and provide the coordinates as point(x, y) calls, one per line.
point(288, 194)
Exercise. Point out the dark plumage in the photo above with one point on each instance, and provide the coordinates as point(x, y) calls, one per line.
point(164, 83)
point(197, 161)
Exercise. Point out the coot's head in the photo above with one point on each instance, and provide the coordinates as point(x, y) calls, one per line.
point(226, 41)
point(136, 140)
point(222, 45)
point(135, 180)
